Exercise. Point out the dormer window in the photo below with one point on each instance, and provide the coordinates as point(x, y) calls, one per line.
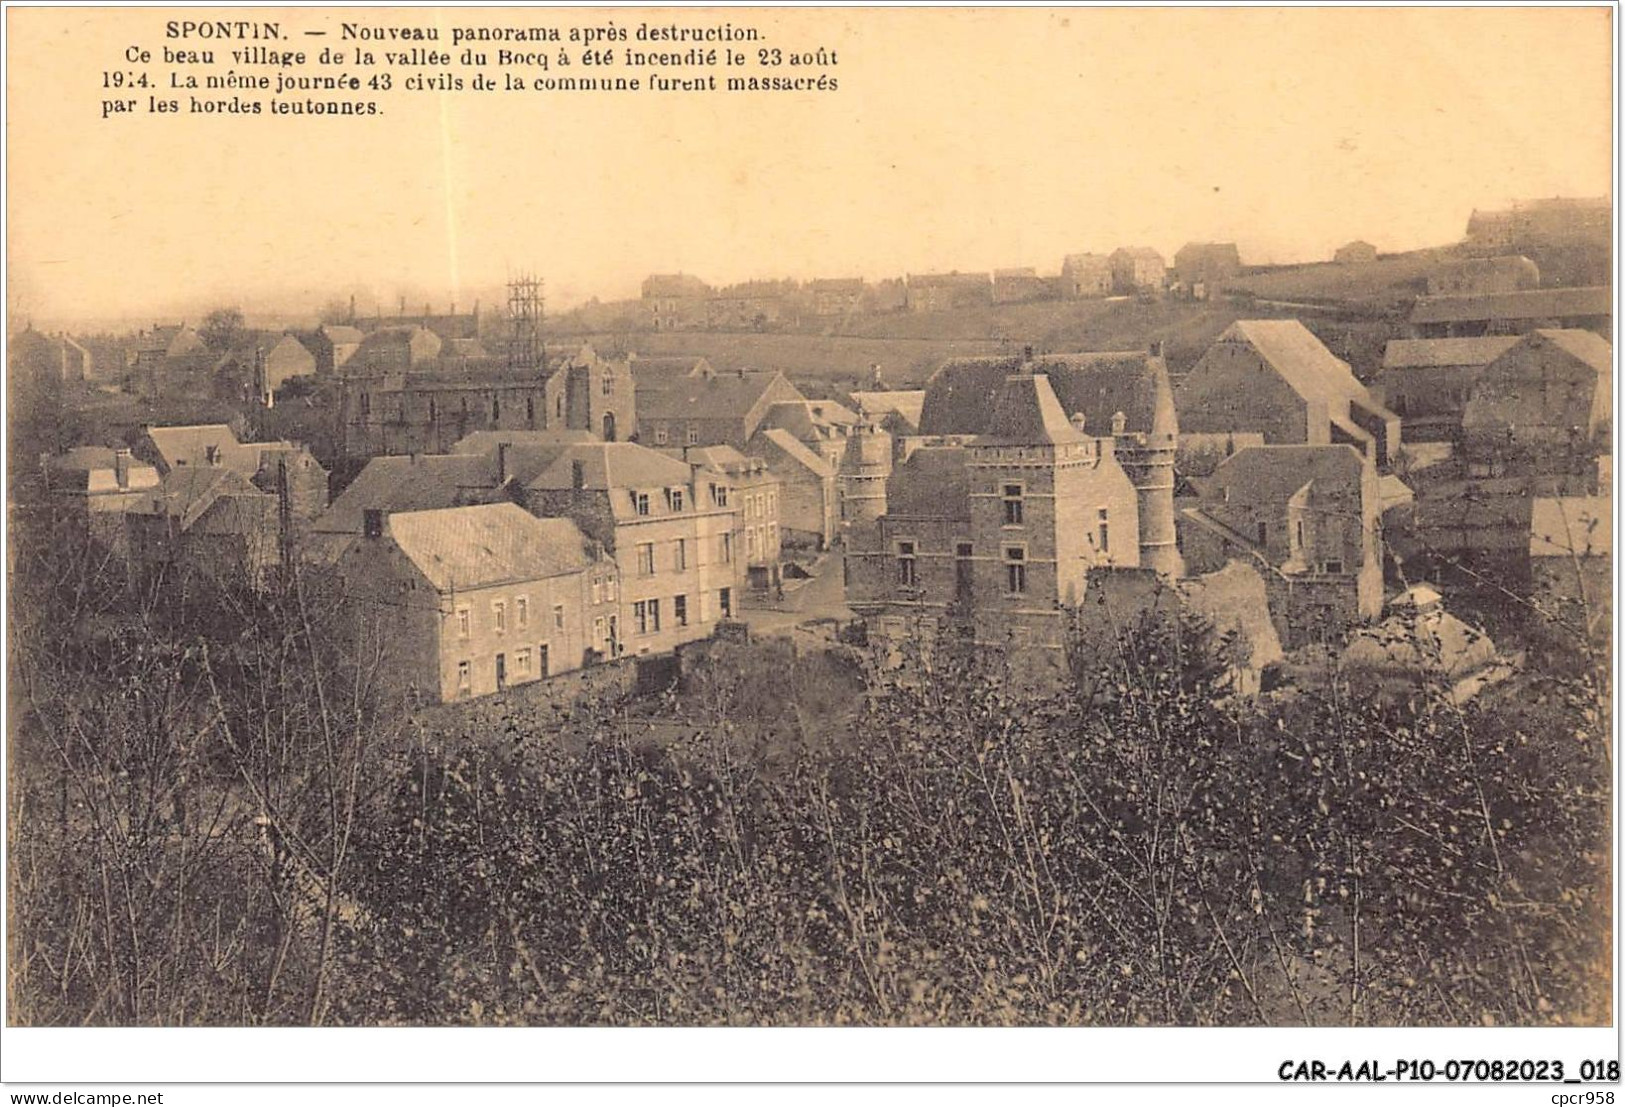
point(674, 499)
point(640, 502)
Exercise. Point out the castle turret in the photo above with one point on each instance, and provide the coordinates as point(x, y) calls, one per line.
point(865, 468)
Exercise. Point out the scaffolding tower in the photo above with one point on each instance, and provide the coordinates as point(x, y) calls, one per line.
point(525, 321)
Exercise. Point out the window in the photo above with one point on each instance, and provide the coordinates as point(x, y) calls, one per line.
point(750, 543)
point(496, 409)
point(433, 415)
point(521, 663)
point(598, 630)
point(640, 616)
point(366, 404)
point(597, 590)
point(499, 616)
point(726, 548)
point(654, 616)
point(558, 616)
point(719, 495)
point(693, 435)
point(1263, 533)
point(1334, 566)
point(674, 499)
point(773, 503)
point(679, 559)
point(464, 622)
point(558, 406)
point(963, 569)
point(1299, 527)
point(679, 610)
point(640, 502)
point(1012, 505)
point(1103, 521)
point(607, 384)
point(1015, 570)
point(521, 611)
point(907, 575)
point(610, 589)
point(646, 559)
point(725, 600)
point(465, 678)
point(530, 410)
point(660, 435)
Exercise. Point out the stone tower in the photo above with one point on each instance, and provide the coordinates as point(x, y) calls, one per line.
point(865, 468)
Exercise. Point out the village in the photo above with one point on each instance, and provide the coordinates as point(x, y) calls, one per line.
point(508, 499)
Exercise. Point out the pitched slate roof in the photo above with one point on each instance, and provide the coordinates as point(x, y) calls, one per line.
point(907, 404)
point(1591, 349)
point(1434, 353)
point(405, 484)
point(1273, 474)
point(1537, 303)
point(486, 441)
point(340, 335)
point(650, 373)
point(724, 396)
point(959, 396)
point(1301, 359)
point(789, 445)
point(186, 493)
point(612, 465)
point(1026, 412)
point(932, 482)
point(488, 544)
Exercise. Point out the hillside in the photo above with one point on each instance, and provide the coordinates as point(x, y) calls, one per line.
point(909, 347)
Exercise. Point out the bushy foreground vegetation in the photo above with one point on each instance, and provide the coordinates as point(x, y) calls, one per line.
point(214, 822)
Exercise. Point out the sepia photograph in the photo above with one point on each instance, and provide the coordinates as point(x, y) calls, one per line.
point(899, 519)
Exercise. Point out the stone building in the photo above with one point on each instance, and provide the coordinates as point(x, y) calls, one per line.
point(996, 536)
point(675, 301)
point(1274, 377)
point(809, 496)
point(1019, 286)
point(1206, 263)
point(836, 296)
point(468, 601)
point(1124, 395)
point(755, 500)
point(1084, 276)
point(207, 520)
point(1308, 518)
point(1138, 270)
point(92, 487)
point(1544, 407)
point(932, 292)
point(717, 409)
point(1358, 252)
point(862, 474)
point(1426, 382)
point(427, 412)
point(670, 528)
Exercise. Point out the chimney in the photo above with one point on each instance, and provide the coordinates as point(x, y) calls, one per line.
point(1156, 349)
point(121, 467)
point(372, 523)
point(578, 475)
point(1119, 423)
point(502, 463)
point(1078, 422)
point(1026, 354)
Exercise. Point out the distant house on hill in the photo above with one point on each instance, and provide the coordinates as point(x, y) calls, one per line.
point(838, 296)
point(675, 301)
point(932, 292)
point(1017, 286)
point(1358, 252)
point(1206, 263)
point(1274, 377)
point(1138, 269)
point(1086, 275)
point(1558, 220)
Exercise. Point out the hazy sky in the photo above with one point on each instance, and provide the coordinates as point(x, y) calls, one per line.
point(958, 139)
